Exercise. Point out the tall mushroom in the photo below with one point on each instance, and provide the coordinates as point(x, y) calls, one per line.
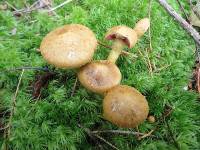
point(100, 76)
point(70, 46)
point(124, 106)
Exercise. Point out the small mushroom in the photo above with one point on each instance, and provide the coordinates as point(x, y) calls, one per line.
point(100, 76)
point(125, 107)
point(70, 46)
point(151, 119)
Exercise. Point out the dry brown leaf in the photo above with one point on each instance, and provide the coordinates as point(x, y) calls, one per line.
point(194, 20)
point(3, 6)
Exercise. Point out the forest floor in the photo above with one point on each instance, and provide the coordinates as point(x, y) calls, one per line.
point(45, 110)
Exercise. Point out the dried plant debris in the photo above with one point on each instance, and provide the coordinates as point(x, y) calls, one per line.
point(195, 14)
point(41, 82)
point(195, 81)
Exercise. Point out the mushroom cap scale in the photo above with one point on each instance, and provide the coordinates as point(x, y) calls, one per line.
point(99, 76)
point(70, 46)
point(124, 106)
point(126, 34)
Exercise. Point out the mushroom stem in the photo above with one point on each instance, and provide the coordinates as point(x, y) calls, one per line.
point(117, 48)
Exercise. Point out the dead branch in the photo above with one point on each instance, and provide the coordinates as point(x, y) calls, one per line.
point(193, 33)
point(61, 5)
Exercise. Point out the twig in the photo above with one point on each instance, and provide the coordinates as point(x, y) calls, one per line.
point(149, 62)
point(11, 6)
point(7, 132)
point(29, 68)
point(147, 134)
point(102, 139)
point(182, 9)
point(62, 4)
point(193, 33)
point(30, 9)
point(49, 7)
point(74, 87)
point(149, 14)
point(118, 132)
point(163, 67)
point(166, 113)
point(34, 4)
point(92, 135)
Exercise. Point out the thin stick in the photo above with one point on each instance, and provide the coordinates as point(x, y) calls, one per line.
point(166, 113)
point(148, 134)
point(11, 6)
point(149, 13)
point(118, 132)
point(149, 63)
point(62, 4)
point(34, 4)
point(7, 132)
point(193, 33)
point(182, 9)
point(29, 68)
point(92, 135)
point(102, 139)
point(74, 87)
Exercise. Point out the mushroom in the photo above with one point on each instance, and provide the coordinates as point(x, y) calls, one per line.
point(125, 107)
point(69, 46)
point(100, 76)
point(151, 119)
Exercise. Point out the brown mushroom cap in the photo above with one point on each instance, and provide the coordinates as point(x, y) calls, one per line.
point(126, 34)
point(125, 106)
point(99, 76)
point(142, 26)
point(70, 46)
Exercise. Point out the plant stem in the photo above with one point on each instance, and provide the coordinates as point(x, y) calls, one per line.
point(117, 48)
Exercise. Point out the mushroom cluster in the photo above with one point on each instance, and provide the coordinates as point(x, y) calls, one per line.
point(73, 46)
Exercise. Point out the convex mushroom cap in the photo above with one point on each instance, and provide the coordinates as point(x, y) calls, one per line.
point(70, 46)
point(125, 107)
point(99, 76)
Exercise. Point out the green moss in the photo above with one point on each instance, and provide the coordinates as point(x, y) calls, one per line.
point(52, 122)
